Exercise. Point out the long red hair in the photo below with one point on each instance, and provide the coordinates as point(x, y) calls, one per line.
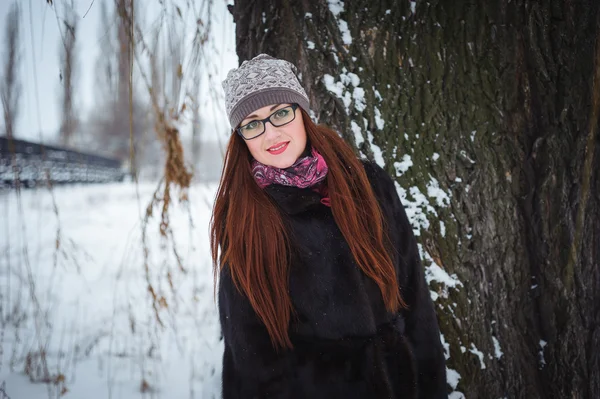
point(248, 228)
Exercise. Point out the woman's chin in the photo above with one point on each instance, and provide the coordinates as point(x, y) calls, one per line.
point(282, 164)
point(281, 161)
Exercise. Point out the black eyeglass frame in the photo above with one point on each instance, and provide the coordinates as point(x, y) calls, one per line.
point(268, 119)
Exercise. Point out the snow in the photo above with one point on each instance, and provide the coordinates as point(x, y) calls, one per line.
point(350, 78)
point(358, 137)
point(442, 228)
point(308, 15)
point(420, 199)
point(337, 88)
point(435, 156)
point(341, 89)
point(413, 6)
point(377, 153)
point(434, 295)
point(331, 85)
point(433, 272)
point(463, 153)
point(359, 99)
point(434, 191)
point(479, 354)
point(452, 377)
point(436, 273)
point(404, 165)
point(378, 119)
point(337, 7)
point(92, 314)
point(497, 350)
point(446, 346)
point(310, 45)
point(416, 208)
point(346, 36)
point(377, 94)
point(541, 353)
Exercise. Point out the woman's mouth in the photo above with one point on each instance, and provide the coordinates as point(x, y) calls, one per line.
point(278, 148)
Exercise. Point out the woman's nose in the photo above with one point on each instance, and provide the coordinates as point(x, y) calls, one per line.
point(270, 130)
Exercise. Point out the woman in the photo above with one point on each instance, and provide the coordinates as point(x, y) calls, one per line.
point(321, 290)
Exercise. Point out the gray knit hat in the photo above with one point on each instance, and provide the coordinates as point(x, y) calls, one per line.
point(259, 82)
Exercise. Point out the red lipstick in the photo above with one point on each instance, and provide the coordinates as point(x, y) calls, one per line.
point(278, 148)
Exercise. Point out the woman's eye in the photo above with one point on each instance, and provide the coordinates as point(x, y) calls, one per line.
point(281, 113)
point(251, 126)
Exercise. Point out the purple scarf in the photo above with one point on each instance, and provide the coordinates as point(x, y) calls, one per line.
point(307, 171)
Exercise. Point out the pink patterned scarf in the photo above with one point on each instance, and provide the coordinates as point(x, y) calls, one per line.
point(308, 171)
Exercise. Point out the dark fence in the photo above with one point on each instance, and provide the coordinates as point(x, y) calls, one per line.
point(32, 164)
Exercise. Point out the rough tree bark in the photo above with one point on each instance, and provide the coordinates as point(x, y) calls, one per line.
point(490, 109)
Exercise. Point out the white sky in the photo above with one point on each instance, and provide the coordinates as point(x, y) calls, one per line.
point(39, 116)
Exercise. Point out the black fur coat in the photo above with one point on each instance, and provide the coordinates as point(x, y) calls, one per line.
point(346, 345)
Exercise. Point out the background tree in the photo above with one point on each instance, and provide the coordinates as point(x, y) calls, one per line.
point(487, 114)
point(10, 87)
point(166, 73)
point(196, 142)
point(104, 133)
point(106, 70)
point(121, 119)
point(68, 60)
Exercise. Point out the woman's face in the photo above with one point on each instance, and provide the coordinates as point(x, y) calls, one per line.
point(277, 146)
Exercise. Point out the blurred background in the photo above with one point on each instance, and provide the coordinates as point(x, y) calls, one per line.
point(111, 147)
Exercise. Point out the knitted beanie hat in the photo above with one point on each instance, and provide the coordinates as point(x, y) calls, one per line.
point(259, 82)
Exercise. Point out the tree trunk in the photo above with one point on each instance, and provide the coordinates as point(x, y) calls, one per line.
point(68, 59)
point(10, 83)
point(487, 114)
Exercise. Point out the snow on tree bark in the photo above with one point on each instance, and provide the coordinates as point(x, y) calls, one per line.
point(486, 113)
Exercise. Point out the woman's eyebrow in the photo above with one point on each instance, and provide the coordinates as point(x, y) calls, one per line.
point(256, 116)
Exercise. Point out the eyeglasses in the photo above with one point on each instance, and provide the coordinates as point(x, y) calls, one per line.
point(283, 116)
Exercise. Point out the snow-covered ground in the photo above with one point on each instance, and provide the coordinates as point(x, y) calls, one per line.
point(74, 287)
